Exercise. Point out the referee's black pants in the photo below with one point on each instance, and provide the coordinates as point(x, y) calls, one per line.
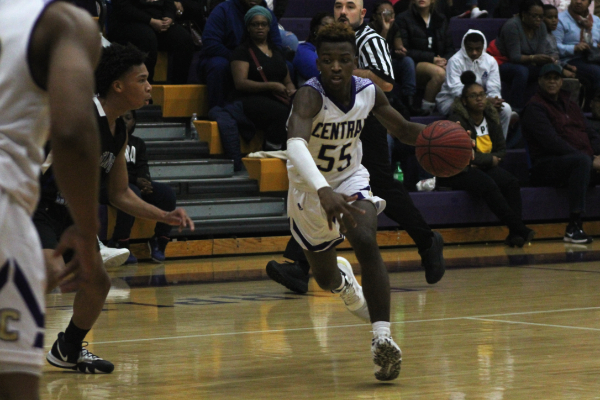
point(399, 207)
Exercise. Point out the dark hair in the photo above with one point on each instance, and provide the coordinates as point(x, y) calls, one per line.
point(548, 7)
point(116, 60)
point(474, 38)
point(336, 33)
point(468, 78)
point(315, 23)
point(378, 4)
point(526, 5)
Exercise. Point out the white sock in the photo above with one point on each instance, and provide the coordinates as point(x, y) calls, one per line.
point(381, 328)
point(428, 106)
point(342, 285)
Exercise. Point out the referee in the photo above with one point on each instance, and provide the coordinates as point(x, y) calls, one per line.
point(374, 63)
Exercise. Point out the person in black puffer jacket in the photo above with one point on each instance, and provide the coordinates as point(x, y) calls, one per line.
point(483, 178)
point(425, 35)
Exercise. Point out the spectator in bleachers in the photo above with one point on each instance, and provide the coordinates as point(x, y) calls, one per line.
point(563, 5)
point(224, 32)
point(523, 50)
point(473, 57)
point(425, 35)
point(578, 31)
point(551, 21)
point(484, 178)
point(289, 40)
point(563, 147)
point(262, 79)
point(150, 27)
point(383, 21)
point(192, 10)
point(305, 59)
point(140, 182)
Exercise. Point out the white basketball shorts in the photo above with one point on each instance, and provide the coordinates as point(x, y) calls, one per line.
point(22, 290)
point(308, 220)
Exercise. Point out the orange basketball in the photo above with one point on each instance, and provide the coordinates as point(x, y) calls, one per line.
point(444, 148)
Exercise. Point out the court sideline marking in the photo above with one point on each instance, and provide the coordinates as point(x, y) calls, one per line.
point(473, 317)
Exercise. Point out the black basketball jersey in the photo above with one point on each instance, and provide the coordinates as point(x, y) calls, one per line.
point(110, 148)
point(110, 145)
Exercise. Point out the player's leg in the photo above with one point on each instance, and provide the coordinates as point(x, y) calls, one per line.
point(387, 355)
point(163, 197)
point(335, 274)
point(68, 350)
point(308, 223)
point(375, 280)
point(325, 269)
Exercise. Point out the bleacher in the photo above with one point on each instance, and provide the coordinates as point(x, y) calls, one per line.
point(244, 212)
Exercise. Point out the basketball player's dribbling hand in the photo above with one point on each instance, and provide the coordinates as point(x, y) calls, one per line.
point(336, 206)
point(179, 217)
point(86, 258)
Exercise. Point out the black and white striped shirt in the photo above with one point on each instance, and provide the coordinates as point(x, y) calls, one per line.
point(373, 53)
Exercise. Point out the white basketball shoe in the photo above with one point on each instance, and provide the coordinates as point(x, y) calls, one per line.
point(352, 292)
point(387, 357)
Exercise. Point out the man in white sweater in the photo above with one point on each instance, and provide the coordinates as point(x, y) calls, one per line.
point(473, 57)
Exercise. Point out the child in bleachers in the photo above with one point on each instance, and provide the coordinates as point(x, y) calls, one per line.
point(551, 21)
point(484, 178)
point(473, 57)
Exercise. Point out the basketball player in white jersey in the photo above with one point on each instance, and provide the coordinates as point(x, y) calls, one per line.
point(329, 193)
point(48, 52)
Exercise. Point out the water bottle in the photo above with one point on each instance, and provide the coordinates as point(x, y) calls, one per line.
point(398, 174)
point(193, 131)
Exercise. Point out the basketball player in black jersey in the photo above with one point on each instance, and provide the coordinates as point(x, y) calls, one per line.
point(121, 85)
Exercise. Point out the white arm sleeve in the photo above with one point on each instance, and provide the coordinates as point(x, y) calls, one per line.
point(298, 154)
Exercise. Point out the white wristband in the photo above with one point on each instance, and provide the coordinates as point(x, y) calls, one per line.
point(302, 160)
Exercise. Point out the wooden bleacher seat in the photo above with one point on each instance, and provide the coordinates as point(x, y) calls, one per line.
point(162, 67)
point(208, 131)
point(181, 100)
point(270, 173)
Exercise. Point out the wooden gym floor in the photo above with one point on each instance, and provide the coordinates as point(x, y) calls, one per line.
point(502, 324)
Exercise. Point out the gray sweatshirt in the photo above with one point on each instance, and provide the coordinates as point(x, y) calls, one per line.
point(513, 43)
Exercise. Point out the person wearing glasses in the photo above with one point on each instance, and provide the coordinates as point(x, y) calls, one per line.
point(262, 80)
point(522, 44)
point(483, 177)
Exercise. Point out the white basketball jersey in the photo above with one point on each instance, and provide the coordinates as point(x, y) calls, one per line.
point(24, 109)
point(335, 139)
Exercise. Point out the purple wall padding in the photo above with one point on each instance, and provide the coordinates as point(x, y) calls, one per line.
point(459, 208)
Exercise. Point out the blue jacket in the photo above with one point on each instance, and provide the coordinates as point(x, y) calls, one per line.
point(305, 61)
point(225, 28)
point(568, 33)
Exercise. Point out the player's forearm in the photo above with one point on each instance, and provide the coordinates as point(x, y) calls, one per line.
point(408, 132)
point(128, 202)
point(368, 74)
point(76, 169)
